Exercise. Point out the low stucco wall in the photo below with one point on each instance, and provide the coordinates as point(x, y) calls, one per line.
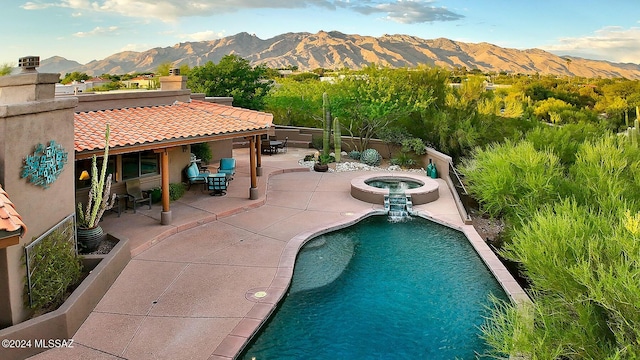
point(63, 323)
point(426, 193)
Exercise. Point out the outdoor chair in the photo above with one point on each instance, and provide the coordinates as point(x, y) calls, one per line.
point(217, 184)
point(228, 166)
point(136, 195)
point(283, 147)
point(195, 175)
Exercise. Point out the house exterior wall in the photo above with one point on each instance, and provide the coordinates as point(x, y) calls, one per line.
point(31, 115)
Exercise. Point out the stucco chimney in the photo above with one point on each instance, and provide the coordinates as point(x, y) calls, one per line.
point(174, 81)
point(30, 85)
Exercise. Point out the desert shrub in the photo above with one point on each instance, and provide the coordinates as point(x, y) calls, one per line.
point(176, 190)
point(606, 172)
point(513, 180)
point(354, 154)
point(403, 159)
point(371, 157)
point(325, 159)
point(56, 267)
point(564, 141)
point(581, 262)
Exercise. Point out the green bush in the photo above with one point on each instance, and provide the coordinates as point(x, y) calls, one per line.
point(583, 267)
point(513, 180)
point(371, 157)
point(176, 190)
point(403, 159)
point(326, 159)
point(606, 172)
point(56, 267)
point(202, 151)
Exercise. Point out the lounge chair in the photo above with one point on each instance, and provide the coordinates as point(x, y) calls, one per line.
point(228, 166)
point(217, 184)
point(195, 175)
point(136, 195)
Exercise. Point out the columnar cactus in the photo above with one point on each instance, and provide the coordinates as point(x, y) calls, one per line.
point(326, 120)
point(337, 139)
point(371, 157)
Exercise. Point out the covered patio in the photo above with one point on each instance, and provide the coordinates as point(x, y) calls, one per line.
point(166, 133)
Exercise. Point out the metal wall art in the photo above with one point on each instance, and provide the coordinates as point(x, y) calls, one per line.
point(45, 165)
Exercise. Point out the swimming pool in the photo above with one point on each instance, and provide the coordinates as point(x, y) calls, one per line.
point(413, 289)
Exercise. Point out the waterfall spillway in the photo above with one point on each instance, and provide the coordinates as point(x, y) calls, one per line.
point(398, 206)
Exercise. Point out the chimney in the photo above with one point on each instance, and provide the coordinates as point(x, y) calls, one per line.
point(174, 81)
point(29, 85)
point(28, 64)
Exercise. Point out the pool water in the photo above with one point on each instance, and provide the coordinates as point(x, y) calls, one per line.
point(394, 185)
point(412, 289)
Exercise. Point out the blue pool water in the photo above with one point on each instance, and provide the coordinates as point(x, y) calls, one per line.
point(380, 290)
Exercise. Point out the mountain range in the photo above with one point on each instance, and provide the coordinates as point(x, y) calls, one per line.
point(335, 50)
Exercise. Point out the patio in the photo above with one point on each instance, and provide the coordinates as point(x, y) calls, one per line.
point(188, 291)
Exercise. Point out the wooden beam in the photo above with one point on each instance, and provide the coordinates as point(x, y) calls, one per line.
point(164, 170)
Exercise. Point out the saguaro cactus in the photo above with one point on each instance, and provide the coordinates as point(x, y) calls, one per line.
point(326, 119)
point(337, 139)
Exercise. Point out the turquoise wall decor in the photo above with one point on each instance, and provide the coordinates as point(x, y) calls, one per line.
point(45, 165)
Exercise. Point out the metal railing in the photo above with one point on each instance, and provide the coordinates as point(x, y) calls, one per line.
point(67, 232)
point(456, 177)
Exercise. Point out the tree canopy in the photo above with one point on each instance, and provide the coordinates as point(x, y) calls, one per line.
point(232, 76)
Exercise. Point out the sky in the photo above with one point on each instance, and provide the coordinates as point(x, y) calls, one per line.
point(86, 30)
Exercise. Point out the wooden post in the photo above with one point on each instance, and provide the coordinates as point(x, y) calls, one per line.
point(259, 155)
point(253, 191)
point(165, 216)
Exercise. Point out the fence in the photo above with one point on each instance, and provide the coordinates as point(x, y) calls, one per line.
point(65, 230)
point(456, 177)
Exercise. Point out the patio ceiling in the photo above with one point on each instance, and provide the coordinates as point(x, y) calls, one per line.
point(157, 127)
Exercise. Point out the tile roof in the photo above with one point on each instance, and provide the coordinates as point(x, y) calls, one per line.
point(10, 220)
point(144, 125)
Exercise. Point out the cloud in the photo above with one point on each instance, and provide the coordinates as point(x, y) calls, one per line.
point(96, 31)
point(611, 42)
point(406, 11)
point(401, 11)
point(202, 36)
point(36, 6)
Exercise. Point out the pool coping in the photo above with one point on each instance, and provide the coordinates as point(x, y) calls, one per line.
point(267, 299)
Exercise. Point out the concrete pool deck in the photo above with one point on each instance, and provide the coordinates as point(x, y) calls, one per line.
point(197, 289)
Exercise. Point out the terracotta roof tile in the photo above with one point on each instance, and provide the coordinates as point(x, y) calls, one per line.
point(140, 125)
point(10, 220)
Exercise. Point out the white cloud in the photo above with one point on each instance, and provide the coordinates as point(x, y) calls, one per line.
point(402, 11)
point(36, 6)
point(407, 11)
point(96, 31)
point(202, 36)
point(613, 42)
point(136, 47)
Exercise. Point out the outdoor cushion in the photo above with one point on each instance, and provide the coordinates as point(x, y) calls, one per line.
point(217, 184)
point(194, 175)
point(227, 166)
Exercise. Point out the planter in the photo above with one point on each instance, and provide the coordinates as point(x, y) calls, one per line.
point(320, 167)
point(67, 319)
point(89, 239)
point(156, 194)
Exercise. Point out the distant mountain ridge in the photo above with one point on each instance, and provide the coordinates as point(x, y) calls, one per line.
point(335, 50)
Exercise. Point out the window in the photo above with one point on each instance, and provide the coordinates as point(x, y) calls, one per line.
point(83, 180)
point(139, 164)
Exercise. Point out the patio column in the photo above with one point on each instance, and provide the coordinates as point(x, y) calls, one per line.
point(253, 191)
point(259, 155)
point(165, 216)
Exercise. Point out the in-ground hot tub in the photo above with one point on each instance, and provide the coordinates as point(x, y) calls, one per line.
point(422, 189)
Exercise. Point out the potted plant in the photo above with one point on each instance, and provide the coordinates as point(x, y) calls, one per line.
point(89, 232)
point(322, 163)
